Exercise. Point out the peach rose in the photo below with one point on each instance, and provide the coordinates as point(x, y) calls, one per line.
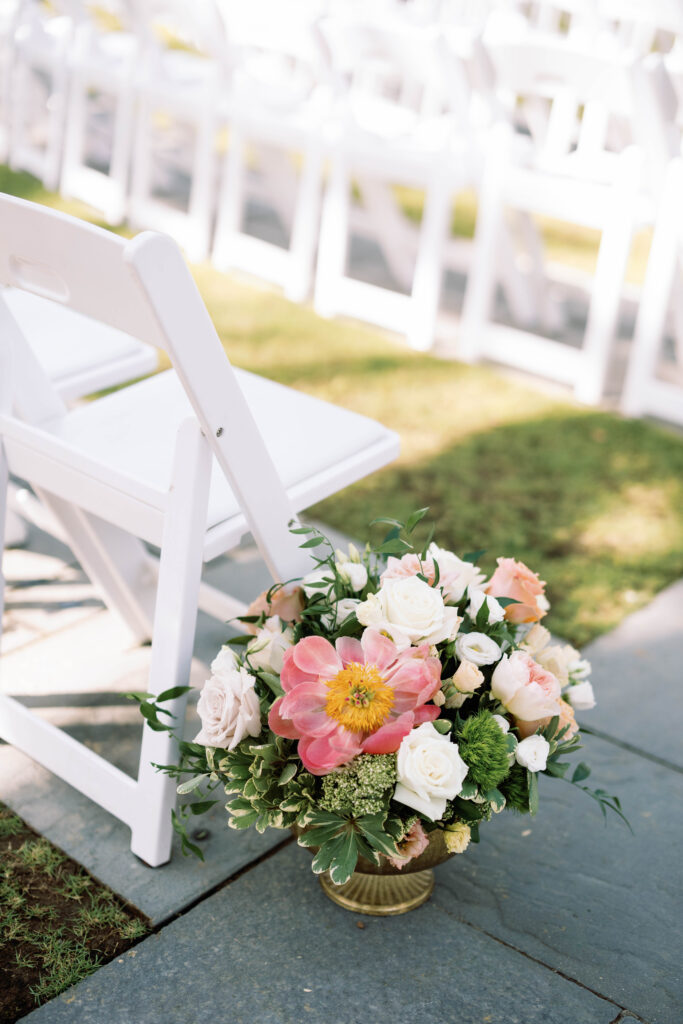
point(528, 691)
point(287, 602)
point(514, 579)
point(567, 717)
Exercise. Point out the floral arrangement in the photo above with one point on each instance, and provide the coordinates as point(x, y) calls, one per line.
point(388, 693)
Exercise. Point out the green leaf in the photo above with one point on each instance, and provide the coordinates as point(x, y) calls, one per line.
point(505, 601)
point(201, 806)
point(557, 768)
point(324, 858)
point(272, 682)
point(495, 798)
point(393, 547)
point(175, 691)
point(301, 529)
point(415, 517)
point(442, 725)
point(139, 696)
point(532, 778)
point(287, 774)
point(581, 772)
point(388, 520)
point(371, 827)
point(313, 542)
point(345, 859)
point(191, 784)
point(469, 790)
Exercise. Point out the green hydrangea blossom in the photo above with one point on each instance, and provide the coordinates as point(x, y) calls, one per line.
point(361, 787)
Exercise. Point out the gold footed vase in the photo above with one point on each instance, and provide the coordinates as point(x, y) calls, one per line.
point(385, 890)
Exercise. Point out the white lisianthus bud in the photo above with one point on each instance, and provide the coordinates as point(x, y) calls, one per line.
point(502, 723)
point(496, 612)
point(354, 573)
point(439, 698)
point(532, 753)
point(581, 696)
point(478, 648)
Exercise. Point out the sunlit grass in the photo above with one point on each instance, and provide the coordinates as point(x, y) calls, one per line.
point(592, 502)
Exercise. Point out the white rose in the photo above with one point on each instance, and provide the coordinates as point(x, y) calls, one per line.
point(228, 706)
point(430, 771)
point(410, 612)
point(468, 677)
point(267, 649)
point(495, 609)
point(455, 576)
point(354, 573)
point(532, 753)
point(581, 696)
point(344, 607)
point(477, 648)
point(225, 661)
point(528, 691)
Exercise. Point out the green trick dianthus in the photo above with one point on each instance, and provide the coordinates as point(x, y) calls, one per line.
point(515, 789)
point(361, 786)
point(483, 747)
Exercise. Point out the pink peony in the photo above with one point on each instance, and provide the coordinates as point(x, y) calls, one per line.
point(412, 845)
point(287, 602)
point(514, 579)
point(361, 696)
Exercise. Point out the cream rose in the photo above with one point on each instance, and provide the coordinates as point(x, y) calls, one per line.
point(478, 648)
point(455, 576)
point(409, 611)
point(496, 612)
point(581, 696)
point(468, 677)
point(267, 649)
point(228, 705)
point(527, 691)
point(532, 753)
point(430, 771)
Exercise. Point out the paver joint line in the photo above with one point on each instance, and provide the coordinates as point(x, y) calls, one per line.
point(625, 745)
point(541, 963)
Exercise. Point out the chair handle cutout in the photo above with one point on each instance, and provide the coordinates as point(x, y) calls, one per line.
point(39, 278)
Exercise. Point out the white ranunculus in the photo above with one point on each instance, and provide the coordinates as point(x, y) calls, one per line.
point(455, 575)
point(267, 649)
point(478, 648)
point(344, 607)
point(228, 705)
point(495, 609)
point(532, 753)
point(581, 696)
point(409, 611)
point(430, 771)
point(354, 573)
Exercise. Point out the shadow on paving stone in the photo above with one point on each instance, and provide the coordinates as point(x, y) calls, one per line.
point(592, 900)
point(271, 949)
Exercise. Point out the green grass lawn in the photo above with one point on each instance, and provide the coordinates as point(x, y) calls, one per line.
point(590, 501)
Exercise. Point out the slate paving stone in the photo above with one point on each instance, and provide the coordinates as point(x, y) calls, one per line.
point(271, 948)
point(593, 901)
point(638, 677)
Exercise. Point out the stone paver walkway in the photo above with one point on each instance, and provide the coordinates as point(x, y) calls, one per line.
point(560, 920)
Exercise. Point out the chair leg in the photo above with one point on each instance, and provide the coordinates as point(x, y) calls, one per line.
point(305, 227)
point(4, 487)
point(231, 202)
point(173, 639)
point(334, 239)
point(428, 266)
point(608, 281)
point(201, 189)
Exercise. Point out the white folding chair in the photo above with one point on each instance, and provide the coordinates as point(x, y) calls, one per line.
point(103, 62)
point(181, 87)
point(38, 87)
point(278, 115)
point(188, 460)
point(654, 377)
point(586, 185)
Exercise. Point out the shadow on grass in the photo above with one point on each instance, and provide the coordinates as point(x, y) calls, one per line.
point(590, 501)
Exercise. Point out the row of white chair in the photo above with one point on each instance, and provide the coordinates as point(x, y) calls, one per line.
point(387, 101)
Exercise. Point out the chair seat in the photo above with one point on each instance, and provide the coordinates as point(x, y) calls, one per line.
point(132, 432)
point(77, 353)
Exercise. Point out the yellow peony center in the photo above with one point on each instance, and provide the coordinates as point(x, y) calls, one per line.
point(358, 698)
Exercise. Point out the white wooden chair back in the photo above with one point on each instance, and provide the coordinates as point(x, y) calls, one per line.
point(144, 288)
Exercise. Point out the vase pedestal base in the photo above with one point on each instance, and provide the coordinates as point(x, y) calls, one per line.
point(380, 895)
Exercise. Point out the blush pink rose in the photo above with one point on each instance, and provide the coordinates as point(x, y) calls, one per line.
point(514, 579)
point(567, 717)
point(409, 565)
point(287, 602)
point(525, 689)
point(412, 845)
